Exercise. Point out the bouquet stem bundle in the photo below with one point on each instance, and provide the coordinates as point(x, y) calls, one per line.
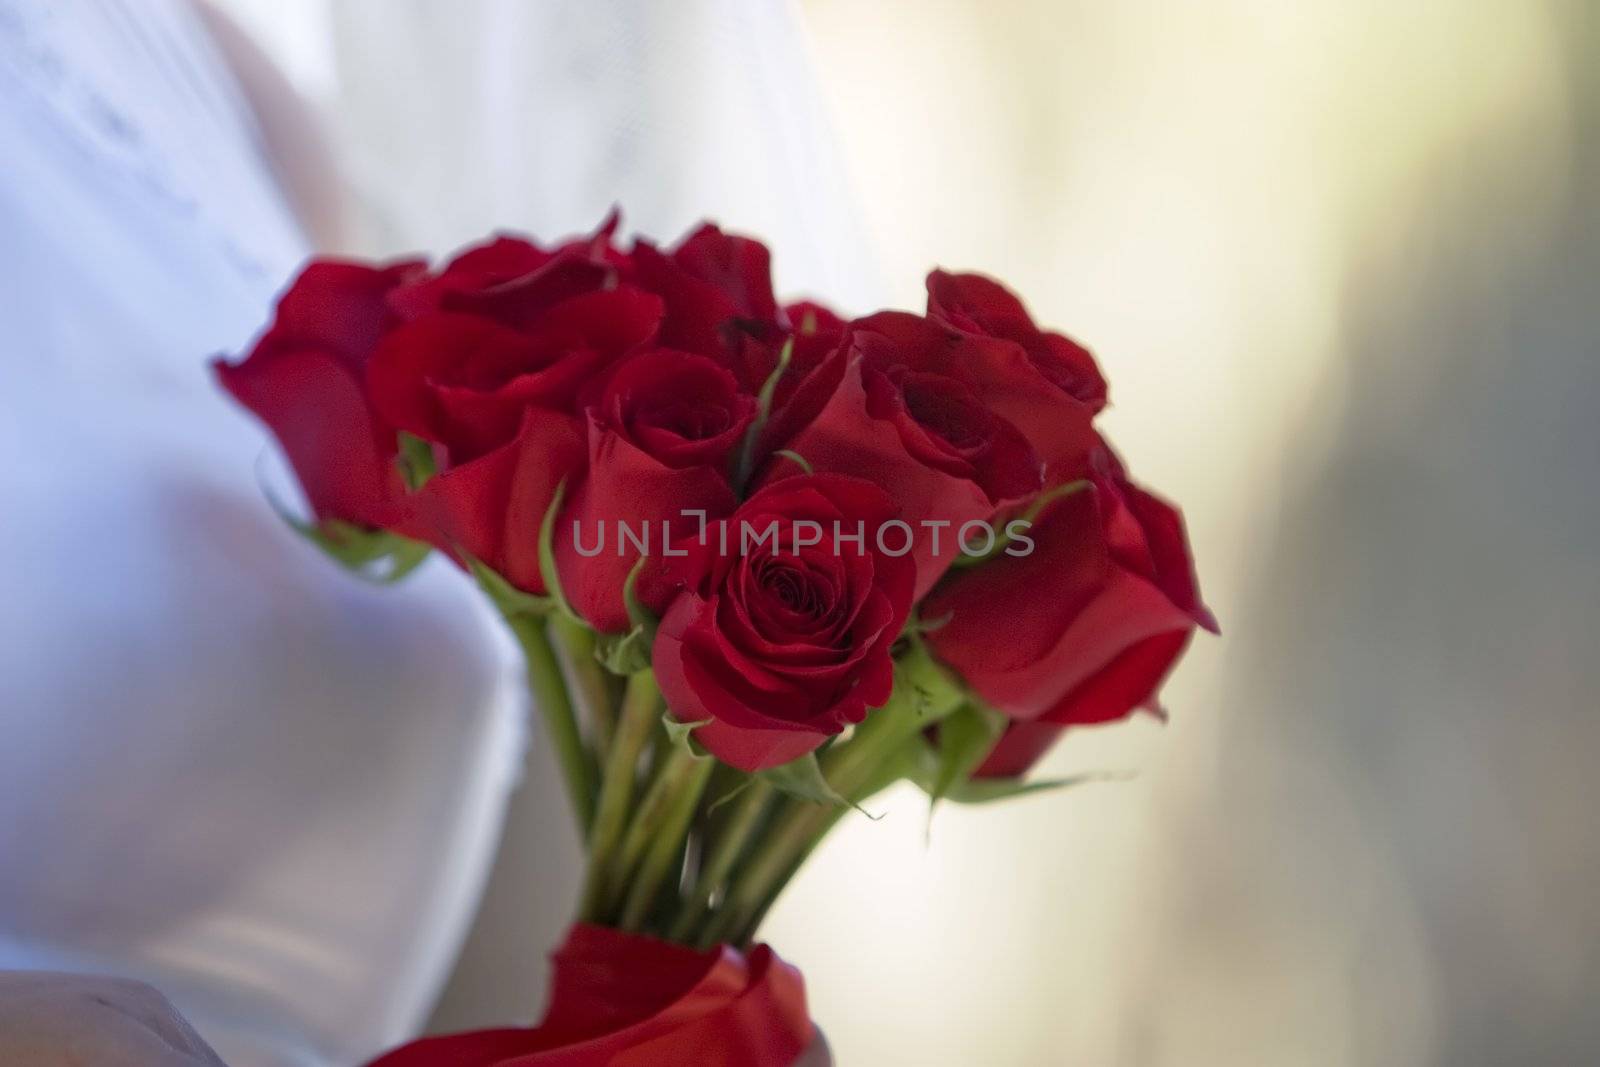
point(676, 846)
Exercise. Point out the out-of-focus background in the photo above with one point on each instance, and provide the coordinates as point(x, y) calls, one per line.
point(1340, 261)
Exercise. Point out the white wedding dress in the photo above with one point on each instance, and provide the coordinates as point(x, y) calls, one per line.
point(226, 767)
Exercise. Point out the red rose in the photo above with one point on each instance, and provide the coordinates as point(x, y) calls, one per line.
point(983, 307)
point(778, 636)
point(1083, 628)
point(818, 357)
point(304, 380)
point(1011, 381)
point(496, 404)
point(710, 280)
point(463, 382)
point(490, 508)
point(930, 438)
point(512, 280)
point(739, 267)
point(627, 1000)
point(661, 437)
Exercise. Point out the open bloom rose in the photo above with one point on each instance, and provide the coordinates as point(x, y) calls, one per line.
point(979, 334)
point(463, 382)
point(661, 438)
point(776, 631)
point(621, 999)
point(1083, 628)
point(305, 379)
point(981, 307)
point(902, 416)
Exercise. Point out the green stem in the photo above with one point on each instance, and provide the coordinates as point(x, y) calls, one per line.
point(729, 845)
point(666, 845)
point(561, 724)
point(885, 776)
point(652, 813)
point(641, 708)
point(586, 678)
point(856, 769)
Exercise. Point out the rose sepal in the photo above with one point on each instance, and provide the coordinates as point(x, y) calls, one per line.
point(358, 549)
point(628, 652)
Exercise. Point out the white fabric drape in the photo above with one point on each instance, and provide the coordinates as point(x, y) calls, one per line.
point(225, 767)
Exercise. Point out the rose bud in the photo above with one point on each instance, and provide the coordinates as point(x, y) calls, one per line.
point(949, 458)
point(623, 998)
point(981, 306)
point(304, 379)
point(1078, 624)
point(816, 340)
point(778, 622)
point(739, 267)
point(711, 280)
point(513, 280)
point(661, 438)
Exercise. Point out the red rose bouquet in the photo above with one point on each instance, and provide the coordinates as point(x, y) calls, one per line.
point(763, 562)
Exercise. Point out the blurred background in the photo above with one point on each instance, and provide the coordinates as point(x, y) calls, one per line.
point(1340, 261)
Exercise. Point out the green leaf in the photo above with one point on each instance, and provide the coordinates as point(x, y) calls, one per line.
point(629, 652)
point(379, 556)
point(732, 794)
point(641, 617)
point(931, 691)
point(508, 598)
point(1030, 516)
point(916, 625)
point(802, 778)
point(623, 653)
point(547, 555)
point(987, 790)
point(796, 458)
point(752, 435)
point(681, 734)
point(966, 736)
point(920, 764)
point(770, 387)
point(416, 461)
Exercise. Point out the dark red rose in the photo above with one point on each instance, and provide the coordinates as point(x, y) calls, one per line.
point(514, 280)
point(714, 286)
point(982, 306)
point(739, 267)
point(628, 1000)
point(998, 371)
point(776, 632)
point(683, 409)
point(490, 507)
point(900, 420)
point(717, 288)
point(817, 341)
point(304, 380)
point(463, 381)
point(661, 437)
point(1083, 628)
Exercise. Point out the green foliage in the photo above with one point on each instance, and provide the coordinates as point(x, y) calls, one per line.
point(547, 554)
point(1030, 516)
point(511, 601)
point(802, 778)
point(415, 460)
